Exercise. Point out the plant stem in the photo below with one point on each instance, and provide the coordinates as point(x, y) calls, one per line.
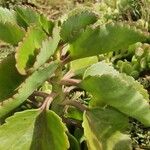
point(57, 88)
point(66, 60)
point(48, 101)
point(69, 121)
point(68, 89)
point(69, 75)
point(70, 81)
point(75, 104)
point(41, 94)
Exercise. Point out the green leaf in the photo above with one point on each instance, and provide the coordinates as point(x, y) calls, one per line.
point(100, 68)
point(76, 66)
point(75, 25)
point(7, 15)
point(107, 38)
point(27, 88)
point(79, 134)
point(11, 33)
point(117, 90)
point(26, 16)
point(32, 130)
point(136, 85)
point(10, 79)
point(27, 49)
point(48, 48)
point(17, 132)
point(74, 144)
point(46, 24)
point(49, 133)
point(102, 130)
point(74, 113)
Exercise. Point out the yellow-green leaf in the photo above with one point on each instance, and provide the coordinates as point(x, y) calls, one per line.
point(28, 48)
point(104, 39)
point(103, 130)
point(49, 133)
point(27, 88)
point(33, 130)
point(48, 48)
point(120, 91)
point(11, 33)
point(17, 132)
point(10, 79)
point(76, 24)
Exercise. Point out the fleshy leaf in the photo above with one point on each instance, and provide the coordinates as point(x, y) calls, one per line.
point(17, 132)
point(78, 69)
point(10, 79)
point(49, 133)
point(27, 88)
point(74, 144)
point(7, 15)
point(136, 85)
point(48, 49)
point(26, 16)
point(74, 113)
point(27, 49)
point(100, 68)
point(46, 24)
point(107, 38)
point(32, 130)
point(75, 24)
point(102, 129)
point(117, 90)
point(11, 33)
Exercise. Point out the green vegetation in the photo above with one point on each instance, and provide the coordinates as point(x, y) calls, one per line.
point(75, 79)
